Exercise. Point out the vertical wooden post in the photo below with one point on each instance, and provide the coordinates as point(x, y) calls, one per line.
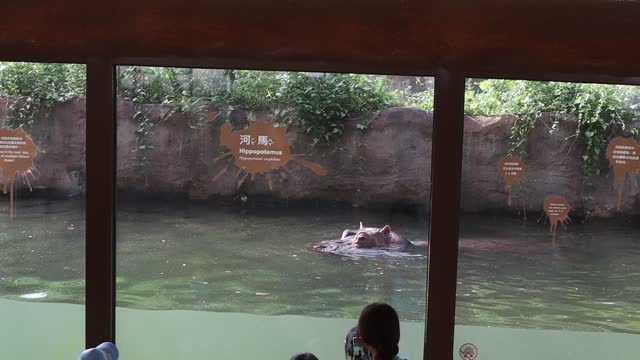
point(446, 172)
point(100, 197)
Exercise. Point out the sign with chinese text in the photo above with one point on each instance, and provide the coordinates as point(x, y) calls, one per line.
point(260, 148)
point(17, 151)
point(512, 169)
point(557, 210)
point(624, 157)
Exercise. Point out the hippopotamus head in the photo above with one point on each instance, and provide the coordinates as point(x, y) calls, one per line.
point(368, 237)
point(362, 238)
point(366, 241)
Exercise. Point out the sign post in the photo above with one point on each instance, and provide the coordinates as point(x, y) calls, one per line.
point(17, 151)
point(624, 157)
point(557, 210)
point(512, 169)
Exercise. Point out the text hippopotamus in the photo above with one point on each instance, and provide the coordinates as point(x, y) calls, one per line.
point(357, 242)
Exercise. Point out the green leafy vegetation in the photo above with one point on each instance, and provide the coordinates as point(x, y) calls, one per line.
point(421, 100)
point(250, 90)
point(317, 104)
point(33, 88)
point(419, 95)
point(133, 87)
point(602, 111)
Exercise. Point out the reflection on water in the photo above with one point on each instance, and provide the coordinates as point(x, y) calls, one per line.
point(588, 279)
point(202, 258)
point(206, 257)
point(42, 252)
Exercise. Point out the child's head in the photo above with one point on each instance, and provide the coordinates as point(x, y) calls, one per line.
point(304, 356)
point(379, 328)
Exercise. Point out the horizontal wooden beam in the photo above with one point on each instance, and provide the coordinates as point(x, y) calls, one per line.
point(483, 37)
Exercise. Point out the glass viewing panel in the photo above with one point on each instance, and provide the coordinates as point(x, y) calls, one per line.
point(42, 215)
point(234, 190)
point(550, 239)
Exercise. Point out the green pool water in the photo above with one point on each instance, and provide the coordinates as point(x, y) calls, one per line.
point(182, 267)
point(52, 331)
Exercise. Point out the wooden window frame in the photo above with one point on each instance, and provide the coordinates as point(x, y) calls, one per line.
point(452, 39)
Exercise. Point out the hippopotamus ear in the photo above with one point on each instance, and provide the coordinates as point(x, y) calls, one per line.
point(386, 230)
point(361, 226)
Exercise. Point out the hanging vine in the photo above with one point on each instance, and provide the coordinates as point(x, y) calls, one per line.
point(600, 112)
point(33, 88)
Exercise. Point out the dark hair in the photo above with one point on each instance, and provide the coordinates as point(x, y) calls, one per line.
point(379, 328)
point(348, 343)
point(304, 356)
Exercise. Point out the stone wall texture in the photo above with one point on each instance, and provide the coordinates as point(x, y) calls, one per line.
point(389, 163)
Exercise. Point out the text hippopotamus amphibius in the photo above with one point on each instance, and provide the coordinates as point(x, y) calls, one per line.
point(354, 242)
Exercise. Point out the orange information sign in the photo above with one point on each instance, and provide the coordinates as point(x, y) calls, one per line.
point(557, 210)
point(624, 157)
point(17, 151)
point(512, 169)
point(260, 148)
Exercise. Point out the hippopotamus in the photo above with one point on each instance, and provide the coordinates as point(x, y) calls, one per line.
point(371, 241)
point(368, 241)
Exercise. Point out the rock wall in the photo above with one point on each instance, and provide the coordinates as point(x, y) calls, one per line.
point(390, 163)
point(387, 164)
point(60, 137)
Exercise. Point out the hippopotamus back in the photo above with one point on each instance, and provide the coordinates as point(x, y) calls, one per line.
point(366, 241)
